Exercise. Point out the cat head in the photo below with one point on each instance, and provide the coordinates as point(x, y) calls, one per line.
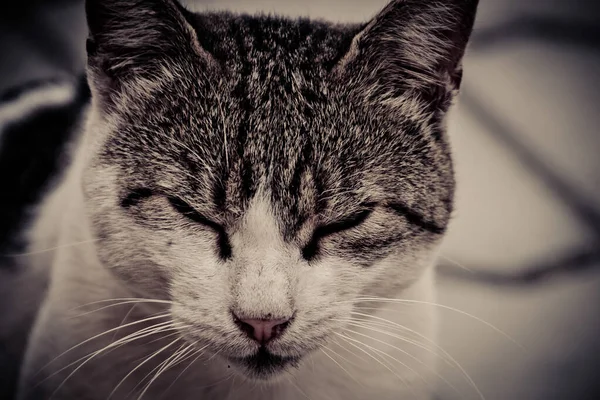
point(263, 173)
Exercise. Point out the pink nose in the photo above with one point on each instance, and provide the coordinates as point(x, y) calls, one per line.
point(263, 330)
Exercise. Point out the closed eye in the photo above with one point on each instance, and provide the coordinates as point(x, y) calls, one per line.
point(311, 249)
point(189, 212)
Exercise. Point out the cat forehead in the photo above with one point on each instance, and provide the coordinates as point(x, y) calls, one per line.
point(270, 128)
point(272, 43)
point(271, 113)
point(309, 143)
point(273, 85)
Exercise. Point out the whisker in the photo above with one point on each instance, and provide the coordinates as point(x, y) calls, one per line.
point(406, 353)
point(448, 357)
point(114, 336)
point(123, 299)
point(62, 246)
point(100, 335)
point(196, 354)
point(162, 338)
point(145, 332)
point(349, 340)
point(407, 301)
point(231, 387)
point(338, 364)
point(213, 356)
point(298, 388)
point(379, 309)
point(366, 326)
point(159, 366)
point(156, 353)
point(164, 366)
point(355, 354)
point(169, 335)
point(339, 355)
point(153, 370)
point(403, 338)
point(105, 307)
point(125, 340)
point(389, 356)
point(454, 262)
point(228, 377)
point(254, 387)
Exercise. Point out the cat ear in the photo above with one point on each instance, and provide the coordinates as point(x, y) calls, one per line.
point(137, 38)
point(413, 46)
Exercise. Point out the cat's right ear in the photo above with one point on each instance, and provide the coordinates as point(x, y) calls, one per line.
point(411, 48)
point(133, 39)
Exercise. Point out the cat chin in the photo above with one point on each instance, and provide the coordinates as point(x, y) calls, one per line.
point(263, 366)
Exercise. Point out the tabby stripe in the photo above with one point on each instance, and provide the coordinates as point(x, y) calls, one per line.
point(416, 219)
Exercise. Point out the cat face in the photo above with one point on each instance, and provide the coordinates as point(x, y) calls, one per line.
point(263, 173)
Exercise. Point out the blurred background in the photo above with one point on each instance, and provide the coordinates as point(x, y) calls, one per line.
point(523, 252)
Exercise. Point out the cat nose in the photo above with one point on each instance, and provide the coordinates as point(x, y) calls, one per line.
point(262, 330)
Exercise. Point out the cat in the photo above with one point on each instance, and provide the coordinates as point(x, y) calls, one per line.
point(253, 207)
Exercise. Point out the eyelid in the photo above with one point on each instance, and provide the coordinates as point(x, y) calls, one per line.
point(344, 224)
point(225, 250)
point(352, 221)
point(188, 211)
point(135, 196)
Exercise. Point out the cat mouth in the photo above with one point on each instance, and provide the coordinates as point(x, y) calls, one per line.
point(264, 365)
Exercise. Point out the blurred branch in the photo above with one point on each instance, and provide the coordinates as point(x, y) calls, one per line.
point(576, 262)
point(555, 32)
point(587, 213)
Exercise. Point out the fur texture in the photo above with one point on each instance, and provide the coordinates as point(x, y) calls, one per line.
point(253, 167)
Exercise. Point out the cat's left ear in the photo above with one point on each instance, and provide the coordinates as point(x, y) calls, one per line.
point(412, 46)
point(137, 38)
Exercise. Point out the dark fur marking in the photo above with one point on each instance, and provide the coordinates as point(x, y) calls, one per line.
point(222, 239)
point(264, 363)
point(311, 250)
point(135, 197)
point(416, 219)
